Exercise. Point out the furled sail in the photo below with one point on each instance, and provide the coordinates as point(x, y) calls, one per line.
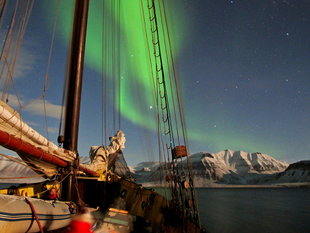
point(103, 158)
point(14, 128)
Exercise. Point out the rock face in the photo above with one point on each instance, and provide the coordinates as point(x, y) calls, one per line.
point(296, 172)
point(144, 172)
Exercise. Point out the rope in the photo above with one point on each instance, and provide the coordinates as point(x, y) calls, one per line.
point(20, 161)
point(35, 214)
point(110, 67)
point(159, 70)
point(103, 136)
point(46, 77)
point(105, 58)
point(119, 65)
point(182, 118)
point(24, 18)
point(163, 155)
point(59, 182)
point(113, 66)
point(163, 98)
point(169, 62)
point(169, 70)
point(170, 117)
point(2, 12)
point(6, 47)
point(16, 160)
point(115, 47)
point(19, 177)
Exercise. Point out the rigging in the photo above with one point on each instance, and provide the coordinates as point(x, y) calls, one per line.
point(180, 180)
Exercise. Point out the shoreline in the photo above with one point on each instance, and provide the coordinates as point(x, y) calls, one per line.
point(239, 186)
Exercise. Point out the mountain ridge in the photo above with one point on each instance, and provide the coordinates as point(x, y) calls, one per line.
point(228, 167)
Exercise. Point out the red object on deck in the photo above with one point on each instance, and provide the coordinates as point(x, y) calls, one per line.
point(16, 144)
point(78, 226)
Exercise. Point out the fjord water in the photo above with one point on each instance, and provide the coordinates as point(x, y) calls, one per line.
point(255, 210)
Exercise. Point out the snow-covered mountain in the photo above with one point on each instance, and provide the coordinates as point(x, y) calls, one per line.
point(142, 172)
point(234, 167)
point(226, 167)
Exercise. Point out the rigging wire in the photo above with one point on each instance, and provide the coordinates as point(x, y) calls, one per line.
point(182, 118)
point(21, 33)
point(169, 61)
point(18, 28)
point(119, 64)
point(162, 93)
point(3, 5)
point(6, 47)
point(113, 66)
point(46, 77)
point(20, 161)
point(162, 154)
point(106, 88)
point(110, 68)
point(180, 194)
point(116, 64)
point(164, 29)
point(19, 177)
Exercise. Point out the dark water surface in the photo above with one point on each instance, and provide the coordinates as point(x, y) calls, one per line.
point(254, 210)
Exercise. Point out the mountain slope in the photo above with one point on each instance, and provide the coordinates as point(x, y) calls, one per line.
point(296, 172)
point(237, 167)
point(226, 167)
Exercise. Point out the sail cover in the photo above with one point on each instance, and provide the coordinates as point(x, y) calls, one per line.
point(104, 158)
point(16, 173)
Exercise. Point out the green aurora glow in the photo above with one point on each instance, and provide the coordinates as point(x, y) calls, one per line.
point(136, 83)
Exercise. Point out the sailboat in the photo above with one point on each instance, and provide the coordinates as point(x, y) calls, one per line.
point(121, 204)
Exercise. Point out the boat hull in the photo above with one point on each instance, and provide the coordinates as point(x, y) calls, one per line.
point(151, 210)
point(16, 215)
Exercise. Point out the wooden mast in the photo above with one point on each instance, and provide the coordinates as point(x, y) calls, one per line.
point(74, 85)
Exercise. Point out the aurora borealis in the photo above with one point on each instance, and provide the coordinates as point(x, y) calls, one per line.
point(243, 69)
point(135, 70)
point(225, 124)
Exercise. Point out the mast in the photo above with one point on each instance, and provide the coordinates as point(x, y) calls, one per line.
point(74, 85)
point(76, 63)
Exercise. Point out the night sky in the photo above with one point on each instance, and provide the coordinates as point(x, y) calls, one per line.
point(249, 62)
point(244, 68)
